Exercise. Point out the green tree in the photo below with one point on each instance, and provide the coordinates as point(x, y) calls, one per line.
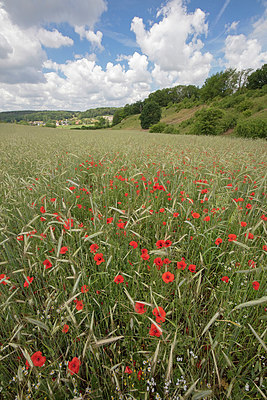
point(258, 79)
point(150, 114)
point(118, 116)
point(220, 84)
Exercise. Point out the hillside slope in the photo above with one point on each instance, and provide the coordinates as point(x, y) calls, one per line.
point(234, 109)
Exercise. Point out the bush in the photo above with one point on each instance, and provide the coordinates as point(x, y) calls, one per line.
point(228, 122)
point(247, 113)
point(171, 129)
point(158, 128)
point(208, 122)
point(232, 101)
point(253, 128)
point(244, 105)
point(187, 122)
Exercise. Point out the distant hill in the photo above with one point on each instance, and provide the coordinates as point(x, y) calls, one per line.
point(47, 115)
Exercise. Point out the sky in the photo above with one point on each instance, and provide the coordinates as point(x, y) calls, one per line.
point(81, 54)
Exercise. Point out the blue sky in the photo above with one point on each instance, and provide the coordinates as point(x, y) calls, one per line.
point(88, 53)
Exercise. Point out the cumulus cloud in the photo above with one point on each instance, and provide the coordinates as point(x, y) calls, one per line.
point(94, 38)
point(243, 53)
point(21, 53)
point(53, 39)
point(28, 13)
point(82, 84)
point(173, 44)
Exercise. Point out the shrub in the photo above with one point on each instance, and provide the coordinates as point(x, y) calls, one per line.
point(187, 122)
point(244, 105)
point(253, 128)
point(232, 101)
point(247, 113)
point(158, 128)
point(228, 122)
point(171, 129)
point(207, 122)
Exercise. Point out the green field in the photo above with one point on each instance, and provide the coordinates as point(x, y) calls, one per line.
point(132, 265)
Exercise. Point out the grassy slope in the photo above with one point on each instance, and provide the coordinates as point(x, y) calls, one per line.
point(172, 116)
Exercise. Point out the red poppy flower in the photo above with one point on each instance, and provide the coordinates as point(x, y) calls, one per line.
point(65, 328)
point(133, 244)
point(84, 289)
point(120, 225)
point(207, 218)
point(160, 244)
point(167, 277)
point(225, 279)
point(140, 308)
point(20, 238)
point(47, 264)
point(99, 258)
point(144, 251)
point(160, 314)
point(250, 235)
point(264, 247)
point(128, 370)
point(252, 263)
point(168, 243)
point(256, 285)
point(109, 220)
point(166, 261)
point(118, 279)
point(231, 237)
point(192, 268)
point(154, 331)
point(28, 281)
point(79, 305)
point(94, 247)
point(158, 261)
point(181, 265)
point(42, 209)
point(218, 241)
point(195, 215)
point(63, 250)
point(74, 365)
point(176, 214)
point(68, 224)
point(243, 223)
point(145, 256)
point(3, 278)
point(249, 206)
point(38, 359)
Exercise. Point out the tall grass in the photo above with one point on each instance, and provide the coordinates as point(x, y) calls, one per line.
point(61, 193)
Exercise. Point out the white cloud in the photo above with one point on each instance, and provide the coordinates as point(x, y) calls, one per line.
point(173, 44)
point(21, 54)
point(53, 39)
point(81, 84)
point(231, 27)
point(260, 29)
point(243, 53)
point(94, 38)
point(28, 13)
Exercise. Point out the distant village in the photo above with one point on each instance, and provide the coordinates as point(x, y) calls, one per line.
point(74, 121)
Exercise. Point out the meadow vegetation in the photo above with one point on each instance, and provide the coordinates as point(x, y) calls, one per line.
point(132, 265)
